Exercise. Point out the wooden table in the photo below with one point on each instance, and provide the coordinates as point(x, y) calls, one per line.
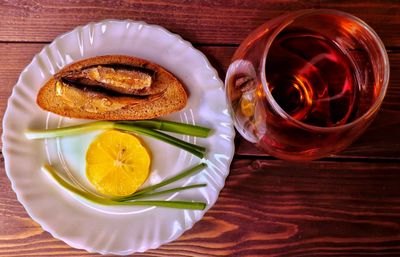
point(344, 205)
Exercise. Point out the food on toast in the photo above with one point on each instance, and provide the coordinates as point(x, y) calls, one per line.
point(112, 88)
point(123, 79)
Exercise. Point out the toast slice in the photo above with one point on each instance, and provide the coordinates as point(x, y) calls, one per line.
point(102, 100)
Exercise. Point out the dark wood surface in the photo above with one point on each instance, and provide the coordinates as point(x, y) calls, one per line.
point(344, 205)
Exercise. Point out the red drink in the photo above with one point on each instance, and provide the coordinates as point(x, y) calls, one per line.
point(311, 79)
point(307, 84)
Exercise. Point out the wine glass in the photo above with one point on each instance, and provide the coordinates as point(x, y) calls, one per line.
point(306, 84)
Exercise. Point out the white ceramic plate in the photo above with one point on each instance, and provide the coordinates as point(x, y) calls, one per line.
point(116, 230)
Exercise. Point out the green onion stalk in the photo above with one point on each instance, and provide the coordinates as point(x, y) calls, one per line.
point(143, 127)
point(106, 201)
point(144, 192)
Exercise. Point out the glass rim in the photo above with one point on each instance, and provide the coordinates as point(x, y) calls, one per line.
point(289, 19)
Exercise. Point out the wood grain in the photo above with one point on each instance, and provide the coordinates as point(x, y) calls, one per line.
point(379, 141)
point(267, 208)
point(346, 205)
point(212, 22)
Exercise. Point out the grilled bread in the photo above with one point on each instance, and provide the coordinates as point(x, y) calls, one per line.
point(112, 87)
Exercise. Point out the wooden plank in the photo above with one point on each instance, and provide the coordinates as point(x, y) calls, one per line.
point(267, 208)
point(379, 141)
point(212, 22)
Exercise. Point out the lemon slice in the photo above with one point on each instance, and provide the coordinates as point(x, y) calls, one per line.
point(117, 163)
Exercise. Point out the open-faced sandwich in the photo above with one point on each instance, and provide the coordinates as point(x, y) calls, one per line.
point(112, 87)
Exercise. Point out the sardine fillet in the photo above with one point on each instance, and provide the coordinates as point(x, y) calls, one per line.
point(126, 80)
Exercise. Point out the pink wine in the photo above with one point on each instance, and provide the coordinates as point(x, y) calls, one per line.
point(312, 79)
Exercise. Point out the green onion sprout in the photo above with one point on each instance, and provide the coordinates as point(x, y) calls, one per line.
point(168, 181)
point(105, 201)
point(196, 150)
point(175, 127)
